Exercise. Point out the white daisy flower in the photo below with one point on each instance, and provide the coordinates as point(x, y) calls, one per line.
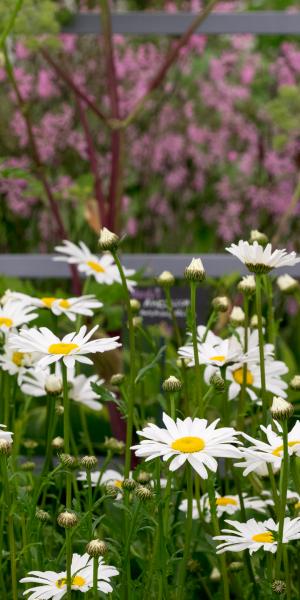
point(103, 269)
point(6, 435)
point(183, 506)
point(292, 498)
point(225, 505)
point(33, 381)
point(110, 477)
point(287, 284)
point(274, 369)
point(20, 297)
point(13, 315)
point(262, 260)
point(255, 461)
point(253, 535)
point(71, 307)
point(191, 440)
point(52, 585)
point(223, 353)
point(270, 451)
point(74, 346)
point(15, 363)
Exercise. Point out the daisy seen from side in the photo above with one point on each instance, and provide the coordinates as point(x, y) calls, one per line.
point(254, 535)
point(259, 259)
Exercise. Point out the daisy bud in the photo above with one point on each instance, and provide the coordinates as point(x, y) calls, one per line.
point(137, 321)
point(236, 566)
point(129, 484)
point(28, 466)
point(295, 382)
point(89, 462)
point(114, 445)
point(278, 586)
point(108, 240)
point(254, 321)
point(195, 271)
point(117, 379)
point(143, 493)
point(135, 305)
point(67, 519)
point(111, 491)
point(287, 284)
point(5, 447)
point(143, 477)
point(281, 409)
point(259, 237)
point(247, 285)
point(68, 461)
point(30, 444)
point(96, 548)
point(183, 361)
point(172, 384)
point(53, 385)
point(42, 515)
point(215, 575)
point(57, 443)
point(220, 303)
point(193, 566)
point(237, 316)
point(59, 409)
point(218, 382)
point(166, 279)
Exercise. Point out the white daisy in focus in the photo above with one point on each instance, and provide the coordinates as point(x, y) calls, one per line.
point(253, 535)
point(73, 347)
point(262, 260)
point(6, 435)
point(274, 369)
point(52, 585)
point(191, 440)
point(13, 315)
point(103, 269)
point(32, 383)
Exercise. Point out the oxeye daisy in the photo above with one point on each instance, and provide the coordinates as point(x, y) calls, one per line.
point(262, 260)
point(217, 355)
point(274, 369)
point(52, 585)
point(5, 435)
point(73, 347)
point(109, 477)
point(254, 535)
point(191, 440)
point(228, 504)
point(15, 363)
point(14, 314)
point(255, 461)
point(102, 269)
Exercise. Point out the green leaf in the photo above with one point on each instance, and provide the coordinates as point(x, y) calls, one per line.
point(142, 372)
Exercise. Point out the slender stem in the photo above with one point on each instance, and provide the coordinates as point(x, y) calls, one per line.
point(271, 322)
point(95, 576)
point(188, 533)
point(242, 396)
point(216, 529)
point(295, 469)
point(283, 495)
point(273, 488)
point(261, 348)
point(10, 526)
point(87, 440)
point(67, 427)
point(251, 576)
point(209, 324)
point(287, 573)
point(198, 382)
point(161, 544)
point(90, 503)
point(69, 562)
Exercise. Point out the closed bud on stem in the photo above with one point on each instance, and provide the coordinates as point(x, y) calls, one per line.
point(129, 484)
point(287, 284)
point(247, 285)
point(28, 466)
point(254, 321)
point(236, 566)
point(143, 493)
point(30, 444)
point(114, 445)
point(193, 566)
point(220, 303)
point(237, 316)
point(259, 237)
point(69, 461)
point(117, 379)
point(57, 443)
point(89, 462)
point(108, 240)
point(278, 586)
point(59, 409)
point(143, 477)
point(172, 384)
point(195, 271)
point(67, 519)
point(96, 548)
point(53, 385)
point(215, 575)
point(42, 515)
point(295, 382)
point(5, 447)
point(111, 491)
point(218, 382)
point(137, 321)
point(135, 305)
point(166, 279)
point(281, 409)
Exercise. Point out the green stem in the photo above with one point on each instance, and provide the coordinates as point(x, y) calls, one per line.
point(161, 543)
point(198, 382)
point(295, 469)
point(11, 21)
point(67, 432)
point(209, 324)
point(90, 503)
point(216, 529)
point(10, 526)
point(172, 406)
point(271, 321)
point(283, 495)
point(261, 348)
point(188, 533)
point(242, 396)
point(87, 439)
point(287, 573)
point(69, 562)
point(95, 576)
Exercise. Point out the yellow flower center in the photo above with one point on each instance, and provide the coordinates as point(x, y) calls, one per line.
point(279, 449)
point(118, 483)
point(6, 321)
point(76, 580)
point(218, 358)
point(17, 358)
point(95, 266)
point(188, 444)
point(265, 538)
point(64, 303)
point(238, 377)
point(47, 301)
point(225, 501)
point(297, 506)
point(62, 348)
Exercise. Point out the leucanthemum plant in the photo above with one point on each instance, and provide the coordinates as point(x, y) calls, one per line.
point(122, 458)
